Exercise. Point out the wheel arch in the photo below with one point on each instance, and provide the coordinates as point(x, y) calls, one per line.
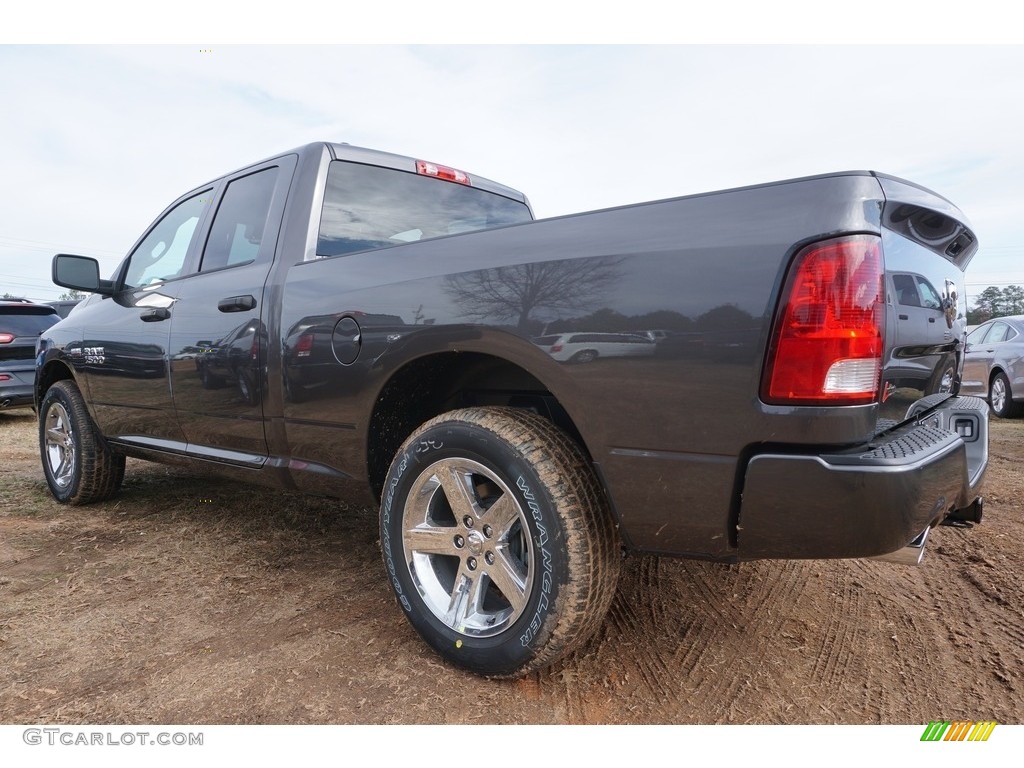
point(1016, 396)
point(51, 372)
point(427, 386)
point(994, 371)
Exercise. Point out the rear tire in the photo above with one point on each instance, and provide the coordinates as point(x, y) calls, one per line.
point(498, 540)
point(78, 464)
point(1000, 397)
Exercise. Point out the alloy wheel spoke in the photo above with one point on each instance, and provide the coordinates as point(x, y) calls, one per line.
point(64, 467)
point(455, 483)
point(431, 540)
point(465, 600)
point(502, 515)
point(509, 577)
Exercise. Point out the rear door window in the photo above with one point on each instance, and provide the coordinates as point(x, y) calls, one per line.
point(906, 290)
point(237, 230)
point(998, 333)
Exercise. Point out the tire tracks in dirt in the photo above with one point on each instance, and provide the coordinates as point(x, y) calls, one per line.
point(703, 660)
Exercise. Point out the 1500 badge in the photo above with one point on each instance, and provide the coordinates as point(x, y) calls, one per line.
point(89, 355)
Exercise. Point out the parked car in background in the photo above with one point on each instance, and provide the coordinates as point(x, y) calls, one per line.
point(994, 365)
point(587, 347)
point(64, 306)
point(654, 336)
point(21, 322)
point(234, 361)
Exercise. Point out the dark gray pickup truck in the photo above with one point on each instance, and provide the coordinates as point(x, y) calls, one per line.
point(766, 372)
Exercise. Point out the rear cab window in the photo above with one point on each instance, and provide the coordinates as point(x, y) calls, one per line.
point(368, 207)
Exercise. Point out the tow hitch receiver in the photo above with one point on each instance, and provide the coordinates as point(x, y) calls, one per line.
point(969, 514)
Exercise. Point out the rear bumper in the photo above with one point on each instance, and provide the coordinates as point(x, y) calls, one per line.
point(17, 390)
point(870, 501)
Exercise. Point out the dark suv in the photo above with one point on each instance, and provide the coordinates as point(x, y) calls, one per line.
point(21, 322)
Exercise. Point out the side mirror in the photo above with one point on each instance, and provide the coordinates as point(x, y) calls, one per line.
point(79, 272)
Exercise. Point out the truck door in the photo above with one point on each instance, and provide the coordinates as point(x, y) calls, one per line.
point(218, 331)
point(122, 358)
point(923, 335)
point(978, 357)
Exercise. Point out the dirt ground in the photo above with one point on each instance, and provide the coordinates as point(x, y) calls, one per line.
point(192, 600)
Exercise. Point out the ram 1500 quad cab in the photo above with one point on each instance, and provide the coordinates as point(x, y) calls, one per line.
point(349, 322)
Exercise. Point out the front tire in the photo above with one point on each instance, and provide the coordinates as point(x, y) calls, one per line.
point(246, 388)
point(79, 466)
point(497, 540)
point(943, 381)
point(208, 380)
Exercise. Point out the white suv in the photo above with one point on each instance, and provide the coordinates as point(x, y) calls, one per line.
point(585, 347)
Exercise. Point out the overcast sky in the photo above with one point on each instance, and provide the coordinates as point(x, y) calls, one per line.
point(100, 139)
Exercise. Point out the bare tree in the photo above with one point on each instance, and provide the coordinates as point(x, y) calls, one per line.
point(517, 292)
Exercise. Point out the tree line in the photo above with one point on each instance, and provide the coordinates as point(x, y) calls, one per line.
point(70, 295)
point(996, 302)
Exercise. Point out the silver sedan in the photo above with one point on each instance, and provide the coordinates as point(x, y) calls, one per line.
point(994, 365)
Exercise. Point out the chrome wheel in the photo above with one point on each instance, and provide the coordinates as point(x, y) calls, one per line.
point(467, 547)
point(78, 464)
point(946, 382)
point(998, 395)
point(59, 445)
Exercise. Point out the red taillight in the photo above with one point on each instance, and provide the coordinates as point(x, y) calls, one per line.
point(304, 345)
point(828, 339)
point(441, 172)
point(4, 377)
point(556, 348)
point(6, 338)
